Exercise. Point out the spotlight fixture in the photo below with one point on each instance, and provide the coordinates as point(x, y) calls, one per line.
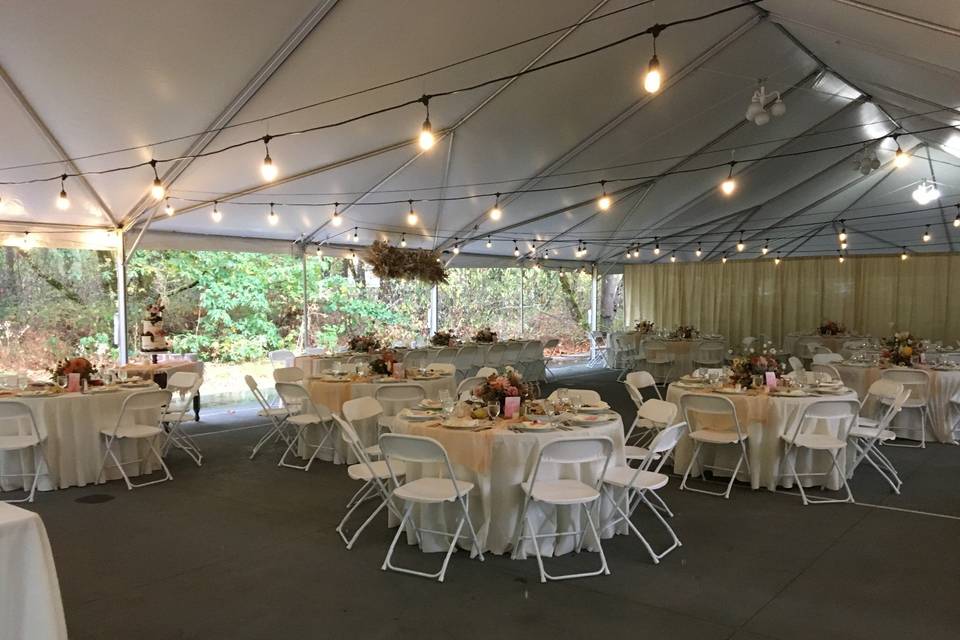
point(496, 213)
point(336, 220)
point(766, 248)
point(168, 209)
point(903, 254)
point(729, 185)
point(603, 202)
point(63, 202)
point(403, 240)
point(926, 192)
point(699, 251)
point(654, 77)
point(427, 139)
point(411, 215)
point(268, 170)
point(215, 215)
point(926, 234)
point(757, 112)
point(740, 245)
point(273, 218)
point(156, 189)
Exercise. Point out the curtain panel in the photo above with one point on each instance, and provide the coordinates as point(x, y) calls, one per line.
point(873, 295)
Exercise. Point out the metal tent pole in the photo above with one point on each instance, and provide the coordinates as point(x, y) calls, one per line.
point(121, 324)
point(306, 315)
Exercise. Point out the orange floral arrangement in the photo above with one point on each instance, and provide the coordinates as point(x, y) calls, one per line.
point(75, 365)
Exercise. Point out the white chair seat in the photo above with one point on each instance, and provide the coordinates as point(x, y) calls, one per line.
point(13, 443)
point(819, 441)
point(638, 453)
point(709, 436)
point(866, 422)
point(134, 431)
point(863, 432)
point(909, 404)
point(561, 491)
point(306, 418)
point(173, 416)
point(428, 490)
point(380, 468)
point(624, 477)
point(274, 412)
point(374, 451)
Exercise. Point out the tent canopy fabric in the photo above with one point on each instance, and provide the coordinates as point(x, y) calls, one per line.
point(80, 79)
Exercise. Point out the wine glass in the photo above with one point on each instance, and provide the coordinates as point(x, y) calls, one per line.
point(62, 381)
point(548, 409)
point(577, 403)
point(122, 374)
point(448, 406)
point(493, 410)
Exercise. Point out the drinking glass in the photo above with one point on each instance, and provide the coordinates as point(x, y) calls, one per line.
point(577, 403)
point(23, 382)
point(548, 409)
point(62, 382)
point(448, 406)
point(493, 410)
point(122, 374)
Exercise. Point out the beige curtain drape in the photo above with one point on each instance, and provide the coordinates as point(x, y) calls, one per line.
point(873, 295)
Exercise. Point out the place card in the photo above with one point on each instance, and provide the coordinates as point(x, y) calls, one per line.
point(771, 379)
point(511, 407)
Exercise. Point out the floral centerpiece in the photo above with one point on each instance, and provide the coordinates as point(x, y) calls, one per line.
point(900, 348)
point(498, 388)
point(75, 365)
point(364, 343)
point(831, 328)
point(485, 335)
point(645, 326)
point(383, 365)
point(389, 262)
point(754, 363)
point(443, 339)
point(684, 332)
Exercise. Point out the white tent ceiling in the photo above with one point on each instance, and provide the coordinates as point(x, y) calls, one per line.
point(82, 78)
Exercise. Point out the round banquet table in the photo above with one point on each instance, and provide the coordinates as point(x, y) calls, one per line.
point(315, 365)
point(72, 422)
point(496, 461)
point(765, 418)
point(332, 395)
point(944, 414)
point(834, 343)
point(684, 352)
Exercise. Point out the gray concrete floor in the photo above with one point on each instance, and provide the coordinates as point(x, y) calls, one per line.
point(240, 549)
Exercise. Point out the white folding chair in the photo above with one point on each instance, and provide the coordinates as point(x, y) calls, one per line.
point(826, 369)
point(142, 401)
point(696, 407)
point(633, 484)
point(918, 381)
point(494, 355)
point(867, 436)
point(599, 349)
point(640, 380)
point(447, 355)
point(307, 414)
point(288, 374)
point(313, 351)
point(186, 384)
point(808, 434)
point(510, 355)
point(652, 416)
point(549, 354)
point(561, 493)
point(465, 361)
point(277, 416)
point(584, 396)
point(827, 358)
point(12, 438)
point(375, 476)
point(282, 358)
point(627, 357)
point(710, 354)
point(446, 368)
point(361, 409)
point(659, 357)
point(796, 364)
point(427, 490)
point(820, 350)
point(531, 361)
point(415, 359)
point(468, 385)
point(486, 372)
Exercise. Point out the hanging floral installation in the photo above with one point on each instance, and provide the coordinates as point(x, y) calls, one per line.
point(390, 262)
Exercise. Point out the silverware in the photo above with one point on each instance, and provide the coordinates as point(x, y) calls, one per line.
point(481, 428)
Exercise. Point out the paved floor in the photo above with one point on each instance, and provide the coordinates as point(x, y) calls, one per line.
point(240, 549)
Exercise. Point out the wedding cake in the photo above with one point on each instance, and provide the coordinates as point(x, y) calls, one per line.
point(152, 337)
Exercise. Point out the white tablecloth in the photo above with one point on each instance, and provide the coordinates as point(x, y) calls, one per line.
point(765, 419)
point(30, 605)
point(834, 343)
point(497, 461)
point(944, 414)
point(72, 423)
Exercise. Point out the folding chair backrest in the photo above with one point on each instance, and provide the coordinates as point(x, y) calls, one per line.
point(586, 396)
point(469, 384)
point(361, 409)
point(293, 395)
point(466, 357)
point(886, 388)
point(183, 380)
point(257, 394)
point(895, 408)
point(359, 359)
point(796, 364)
point(494, 354)
point(634, 394)
point(282, 358)
point(511, 353)
point(531, 351)
point(414, 359)
point(658, 411)
point(486, 372)
point(416, 449)
point(845, 411)
point(827, 358)
point(819, 350)
point(917, 380)
point(11, 412)
point(663, 444)
point(551, 344)
point(396, 397)
point(447, 355)
point(641, 379)
point(826, 369)
point(576, 450)
point(156, 400)
point(693, 405)
point(711, 352)
point(288, 374)
point(442, 367)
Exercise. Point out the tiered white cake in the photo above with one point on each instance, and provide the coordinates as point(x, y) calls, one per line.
point(152, 337)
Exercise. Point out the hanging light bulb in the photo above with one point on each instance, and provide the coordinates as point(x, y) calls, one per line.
point(63, 202)
point(740, 245)
point(273, 218)
point(215, 215)
point(926, 234)
point(268, 170)
point(156, 189)
point(842, 237)
point(412, 215)
point(169, 208)
point(27, 241)
point(636, 251)
point(673, 256)
point(627, 254)
point(584, 249)
point(489, 242)
point(603, 203)
point(656, 247)
point(403, 240)
point(516, 250)
point(356, 236)
point(653, 77)
point(903, 254)
point(699, 251)
point(337, 219)
point(496, 213)
point(843, 246)
point(729, 185)
point(956, 221)
point(724, 259)
point(319, 251)
point(901, 158)
point(456, 247)
point(766, 248)
point(776, 261)
point(427, 139)
point(840, 258)
point(353, 256)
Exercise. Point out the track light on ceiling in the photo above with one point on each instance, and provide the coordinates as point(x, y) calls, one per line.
point(215, 215)
point(156, 189)
point(495, 212)
point(168, 209)
point(411, 215)
point(337, 219)
point(603, 202)
point(757, 112)
point(267, 169)
point(653, 78)
point(272, 217)
point(63, 202)
point(427, 139)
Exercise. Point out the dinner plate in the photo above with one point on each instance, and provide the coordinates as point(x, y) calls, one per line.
point(833, 391)
point(36, 394)
point(431, 404)
point(99, 390)
point(795, 393)
point(460, 423)
point(388, 381)
point(597, 408)
point(689, 385)
point(589, 419)
point(731, 391)
point(135, 385)
point(426, 377)
point(532, 425)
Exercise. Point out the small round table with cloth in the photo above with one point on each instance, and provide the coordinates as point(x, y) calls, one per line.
point(765, 418)
point(497, 460)
point(944, 387)
point(834, 343)
point(72, 422)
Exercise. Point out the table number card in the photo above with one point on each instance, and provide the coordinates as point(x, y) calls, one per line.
point(511, 407)
point(771, 379)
